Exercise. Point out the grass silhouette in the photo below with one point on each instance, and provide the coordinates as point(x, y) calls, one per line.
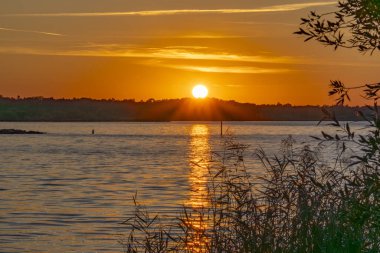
point(302, 204)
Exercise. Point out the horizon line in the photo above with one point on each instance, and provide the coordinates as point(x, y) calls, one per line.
point(168, 99)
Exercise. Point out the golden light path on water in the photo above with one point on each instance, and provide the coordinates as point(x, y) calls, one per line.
point(197, 202)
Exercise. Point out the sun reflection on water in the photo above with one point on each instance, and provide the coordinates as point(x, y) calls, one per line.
point(199, 159)
point(197, 240)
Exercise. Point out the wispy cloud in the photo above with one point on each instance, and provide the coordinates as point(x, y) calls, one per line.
point(175, 53)
point(165, 57)
point(273, 8)
point(207, 36)
point(29, 31)
point(229, 69)
point(187, 47)
point(22, 50)
point(158, 57)
point(153, 53)
point(262, 23)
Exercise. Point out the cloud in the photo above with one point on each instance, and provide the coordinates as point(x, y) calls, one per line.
point(30, 31)
point(22, 50)
point(263, 23)
point(232, 70)
point(175, 53)
point(163, 56)
point(206, 36)
point(273, 8)
point(155, 56)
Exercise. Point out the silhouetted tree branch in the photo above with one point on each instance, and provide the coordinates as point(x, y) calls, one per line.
point(355, 24)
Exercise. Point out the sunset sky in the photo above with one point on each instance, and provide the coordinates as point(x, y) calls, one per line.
point(242, 50)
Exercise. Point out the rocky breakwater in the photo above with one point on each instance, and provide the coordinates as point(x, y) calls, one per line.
point(18, 131)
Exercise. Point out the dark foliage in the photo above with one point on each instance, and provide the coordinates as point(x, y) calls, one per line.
point(48, 109)
point(355, 24)
point(302, 204)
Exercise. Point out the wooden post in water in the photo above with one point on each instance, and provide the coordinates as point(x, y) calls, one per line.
point(221, 128)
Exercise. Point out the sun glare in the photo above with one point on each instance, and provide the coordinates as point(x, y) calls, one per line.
point(200, 91)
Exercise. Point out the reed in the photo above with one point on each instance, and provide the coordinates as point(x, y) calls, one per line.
point(301, 204)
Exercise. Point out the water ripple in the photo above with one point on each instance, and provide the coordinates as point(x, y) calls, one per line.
point(69, 191)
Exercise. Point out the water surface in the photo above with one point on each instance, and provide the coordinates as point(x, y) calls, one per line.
point(69, 190)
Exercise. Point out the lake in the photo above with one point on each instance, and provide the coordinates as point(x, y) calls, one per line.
point(69, 190)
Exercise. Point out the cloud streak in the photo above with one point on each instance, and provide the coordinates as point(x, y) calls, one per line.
point(30, 31)
point(168, 53)
point(274, 8)
point(153, 53)
point(181, 54)
point(230, 70)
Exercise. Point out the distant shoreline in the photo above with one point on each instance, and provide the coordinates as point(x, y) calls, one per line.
point(171, 121)
point(88, 110)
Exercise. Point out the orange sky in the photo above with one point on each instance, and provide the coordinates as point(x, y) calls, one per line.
point(241, 50)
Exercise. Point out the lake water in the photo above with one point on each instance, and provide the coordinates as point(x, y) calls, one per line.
point(68, 190)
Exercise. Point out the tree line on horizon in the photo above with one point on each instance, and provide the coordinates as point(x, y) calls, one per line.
point(185, 109)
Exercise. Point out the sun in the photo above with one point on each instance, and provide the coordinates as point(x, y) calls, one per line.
point(200, 91)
